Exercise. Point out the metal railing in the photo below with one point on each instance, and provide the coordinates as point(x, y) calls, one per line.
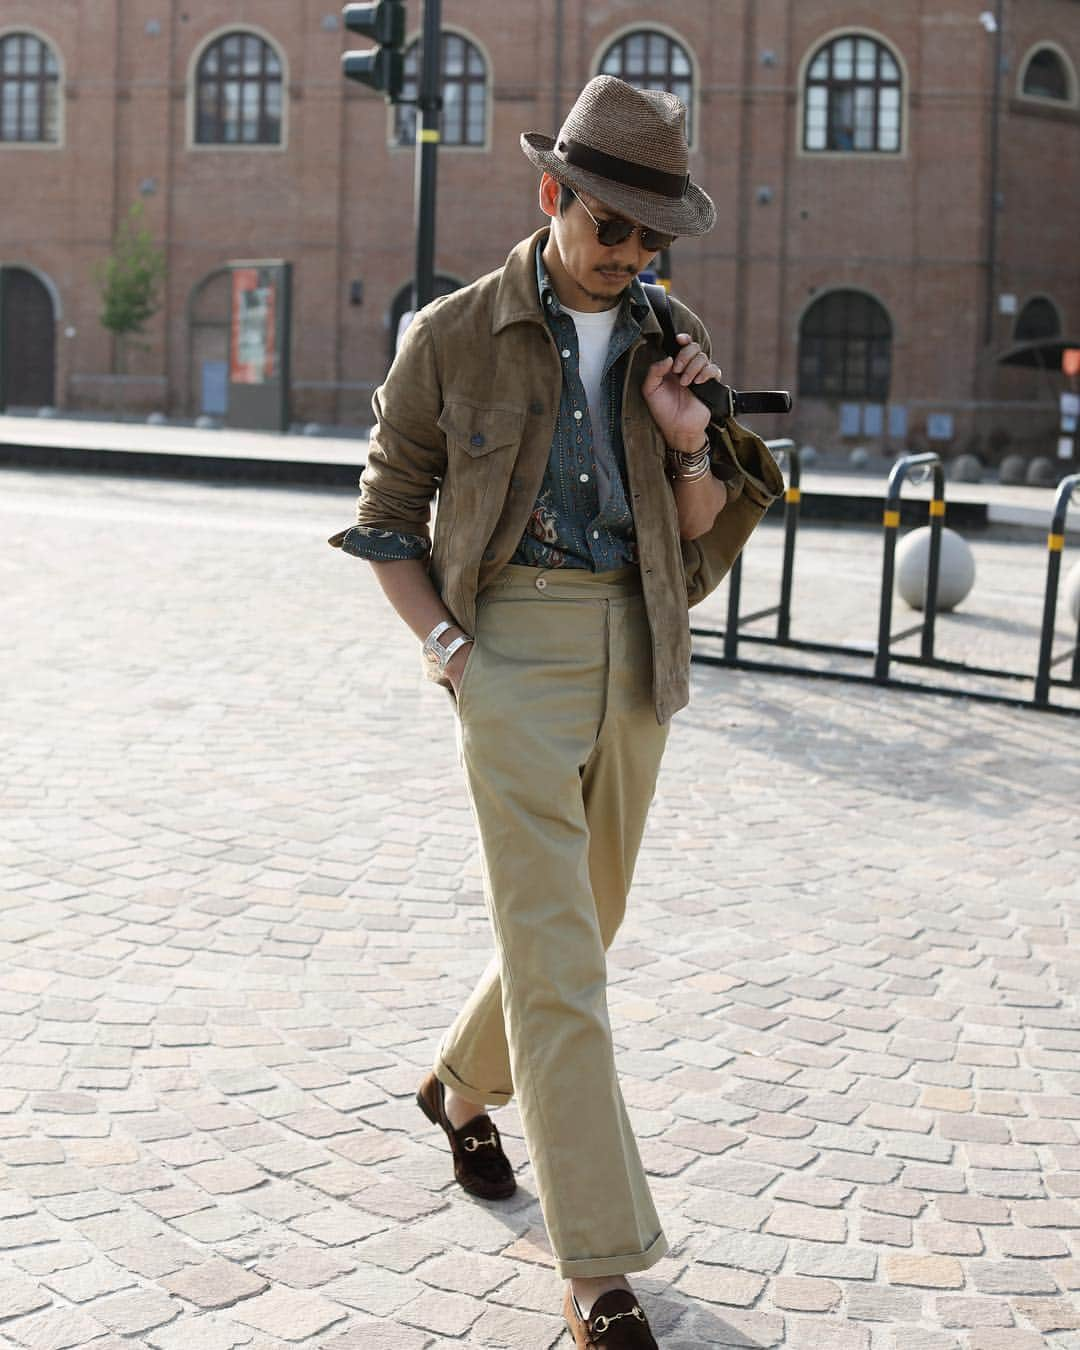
point(910, 469)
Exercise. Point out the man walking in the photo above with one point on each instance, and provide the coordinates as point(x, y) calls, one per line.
point(570, 466)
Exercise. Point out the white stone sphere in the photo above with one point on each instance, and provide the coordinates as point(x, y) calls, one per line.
point(956, 575)
point(859, 457)
point(206, 423)
point(312, 429)
point(157, 419)
point(1072, 591)
point(807, 455)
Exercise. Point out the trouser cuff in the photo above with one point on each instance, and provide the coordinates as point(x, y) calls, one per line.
point(613, 1265)
point(481, 1096)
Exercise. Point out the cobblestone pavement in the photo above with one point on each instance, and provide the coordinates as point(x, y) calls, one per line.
point(239, 899)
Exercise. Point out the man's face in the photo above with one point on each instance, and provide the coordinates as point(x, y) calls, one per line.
point(598, 275)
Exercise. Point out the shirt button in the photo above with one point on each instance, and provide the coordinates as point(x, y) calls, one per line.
point(578, 415)
point(583, 477)
point(489, 555)
point(566, 352)
point(541, 583)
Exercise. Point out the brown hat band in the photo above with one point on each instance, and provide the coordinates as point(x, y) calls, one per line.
point(623, 170)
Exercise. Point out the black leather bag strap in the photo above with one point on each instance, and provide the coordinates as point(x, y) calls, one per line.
point(661, 307)
point(721, 400)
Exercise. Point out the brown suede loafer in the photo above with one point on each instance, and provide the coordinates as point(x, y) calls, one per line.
point(480, 1164)
point(615, 1322)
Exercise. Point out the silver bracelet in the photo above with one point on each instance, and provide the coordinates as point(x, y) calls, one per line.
point(688, 468)
point(437, 655)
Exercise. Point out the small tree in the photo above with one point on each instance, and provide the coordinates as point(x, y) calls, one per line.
point(130, 281)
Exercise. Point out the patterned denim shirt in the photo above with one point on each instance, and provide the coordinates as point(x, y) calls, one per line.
point(582, 515)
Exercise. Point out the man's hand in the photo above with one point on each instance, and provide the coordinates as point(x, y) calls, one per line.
point(455, 667)
point(676, 411)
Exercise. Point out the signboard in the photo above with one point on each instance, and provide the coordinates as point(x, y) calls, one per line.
point(259, 328)
point(253, 335)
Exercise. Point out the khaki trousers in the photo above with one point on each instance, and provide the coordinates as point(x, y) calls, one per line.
point(561, 747)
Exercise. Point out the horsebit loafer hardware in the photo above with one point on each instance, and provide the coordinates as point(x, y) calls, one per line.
point(471, 1143)
point(599, 1325)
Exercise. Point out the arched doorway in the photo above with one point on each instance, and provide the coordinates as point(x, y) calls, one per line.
point(402, 303)
point(29, 340)
point(208, 345)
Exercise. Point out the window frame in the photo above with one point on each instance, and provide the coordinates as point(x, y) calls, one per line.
point(1072, 100)
point(192, 97)
point(869, 394)
point(819, 44)
point(618, 35)
point(449, 30)
point(28, 30)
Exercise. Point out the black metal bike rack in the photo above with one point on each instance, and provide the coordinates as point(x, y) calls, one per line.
point(1068, 490)
point(883, 654)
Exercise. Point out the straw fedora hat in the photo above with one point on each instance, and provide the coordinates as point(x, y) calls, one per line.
point(627, 147)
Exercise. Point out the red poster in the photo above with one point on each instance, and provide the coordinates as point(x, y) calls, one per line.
point(253, 348)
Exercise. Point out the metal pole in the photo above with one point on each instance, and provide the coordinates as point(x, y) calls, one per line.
point(731, 629)
point(1055, 544)
point(933, 565)
point(429, 103)
point(995, 174)
point(792, 497)
point(891, 521)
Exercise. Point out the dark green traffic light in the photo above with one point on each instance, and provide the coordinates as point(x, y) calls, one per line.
point(381, 67)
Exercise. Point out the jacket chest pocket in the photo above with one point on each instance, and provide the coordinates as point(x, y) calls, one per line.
point(475, 432)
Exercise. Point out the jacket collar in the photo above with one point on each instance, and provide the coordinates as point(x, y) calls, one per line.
point(517, 299)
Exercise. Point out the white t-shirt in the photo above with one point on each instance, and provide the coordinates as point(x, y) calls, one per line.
point(594, 333)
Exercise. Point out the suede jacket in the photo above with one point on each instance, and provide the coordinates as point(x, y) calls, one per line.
point(467, 414)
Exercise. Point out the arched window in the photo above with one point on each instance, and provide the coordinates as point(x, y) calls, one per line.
point(649, 59)
point(29, 89)
point(464, 94)
point(845, 348)
point(1047, 76)
point(852, 101)
point(1038, 319)
point(238, 92)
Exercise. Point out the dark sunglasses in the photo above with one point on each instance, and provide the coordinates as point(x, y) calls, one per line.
point(617, 231)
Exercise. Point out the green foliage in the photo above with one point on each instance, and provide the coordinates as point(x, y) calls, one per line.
point(130, 279)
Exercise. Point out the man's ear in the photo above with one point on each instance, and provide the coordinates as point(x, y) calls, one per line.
point(549, 195)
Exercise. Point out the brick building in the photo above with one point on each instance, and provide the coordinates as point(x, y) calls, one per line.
point(855, 150)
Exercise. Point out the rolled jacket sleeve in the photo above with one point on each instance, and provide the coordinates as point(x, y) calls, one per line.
point(406, 457)
point(363, 541)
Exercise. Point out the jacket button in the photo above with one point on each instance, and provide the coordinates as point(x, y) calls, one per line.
point(515, 482)
point(477, 440)
point(536, 407)
point(489, 555)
